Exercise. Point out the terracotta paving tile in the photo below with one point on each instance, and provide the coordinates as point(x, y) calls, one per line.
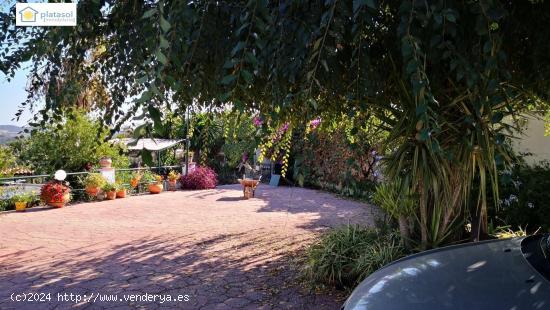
point(213, 248)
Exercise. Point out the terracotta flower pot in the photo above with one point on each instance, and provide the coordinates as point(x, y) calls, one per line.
point(134, 183)
point(60, 204)
point(172, 184)
point(110, 195)
point(105, 162)
point(121, 194)
point(155, 188)
point(20, 206)
point(92, 191)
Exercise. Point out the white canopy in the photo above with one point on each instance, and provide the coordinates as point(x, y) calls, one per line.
point(148, 144)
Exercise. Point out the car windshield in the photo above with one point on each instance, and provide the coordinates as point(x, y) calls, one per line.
point(536, 249)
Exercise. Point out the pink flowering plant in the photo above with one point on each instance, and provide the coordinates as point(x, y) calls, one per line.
point(315, 123)
point(257, 121)
point(200, 178)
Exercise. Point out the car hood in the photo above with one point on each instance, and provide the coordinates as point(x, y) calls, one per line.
point(485, 275)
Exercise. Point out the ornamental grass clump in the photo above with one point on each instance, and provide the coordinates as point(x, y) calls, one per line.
point(200, 178)
point(343, 257)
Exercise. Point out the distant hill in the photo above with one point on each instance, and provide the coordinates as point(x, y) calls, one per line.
point(9, 132)
point(11, 128)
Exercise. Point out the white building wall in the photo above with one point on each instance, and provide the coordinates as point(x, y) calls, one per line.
point(532, 140)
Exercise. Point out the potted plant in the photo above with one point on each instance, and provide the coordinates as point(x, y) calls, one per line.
point(191, 156)
point(154, 182)
point(105, 162)
point(120, 190)
point(136, 177)
point(34, 199)
point(173, 177)
point(110, 191)
point(93, 183)
point(55, 193)
point(21, 201)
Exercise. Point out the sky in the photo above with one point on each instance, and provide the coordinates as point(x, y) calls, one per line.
point(11, 95)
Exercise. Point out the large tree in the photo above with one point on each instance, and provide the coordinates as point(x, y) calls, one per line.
point(442, 74)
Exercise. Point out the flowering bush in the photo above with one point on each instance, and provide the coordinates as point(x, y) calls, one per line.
point(54, 191)
point(200, 178)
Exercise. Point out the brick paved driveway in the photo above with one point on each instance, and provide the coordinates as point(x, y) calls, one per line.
point(220, 251)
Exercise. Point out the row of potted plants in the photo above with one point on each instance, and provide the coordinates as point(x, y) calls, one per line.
point(113, 191)
point(58, 193)
point(94, 182)
point(24, 200)
point(154, 182)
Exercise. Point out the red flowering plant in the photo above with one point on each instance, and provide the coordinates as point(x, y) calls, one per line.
point(200, 178)
point(54, 191)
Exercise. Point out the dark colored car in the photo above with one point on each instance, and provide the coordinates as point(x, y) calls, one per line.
point(511, 274)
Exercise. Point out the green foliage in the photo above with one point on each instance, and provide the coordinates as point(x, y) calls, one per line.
point(241, 137)
point(28, 197)
point(122, 186)
point(6, 192)
point(150, 177)
point(343, 257)
point(341, 155)
point(94, 180)
point(381, 252)
point(10, 195)
point(109, 187)
point(394, 199)
point(70, 145)
point(206, 135)
point(525, 199)
point(440, 76)
point(284, 59)
point(7, 160)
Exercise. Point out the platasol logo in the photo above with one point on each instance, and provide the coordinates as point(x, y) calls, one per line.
point(45, 14)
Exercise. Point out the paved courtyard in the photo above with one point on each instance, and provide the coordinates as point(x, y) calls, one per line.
point(209, 249)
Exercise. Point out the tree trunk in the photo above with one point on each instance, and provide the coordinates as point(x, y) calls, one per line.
point(404, 230)
point(479, 224)
point(423, 216)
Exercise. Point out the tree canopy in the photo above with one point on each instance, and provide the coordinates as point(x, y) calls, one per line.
point(442, 76)
point(282, 57)
point(72, 144)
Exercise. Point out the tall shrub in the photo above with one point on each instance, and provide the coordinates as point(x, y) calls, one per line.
point(525, 199)
point(70, 145)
